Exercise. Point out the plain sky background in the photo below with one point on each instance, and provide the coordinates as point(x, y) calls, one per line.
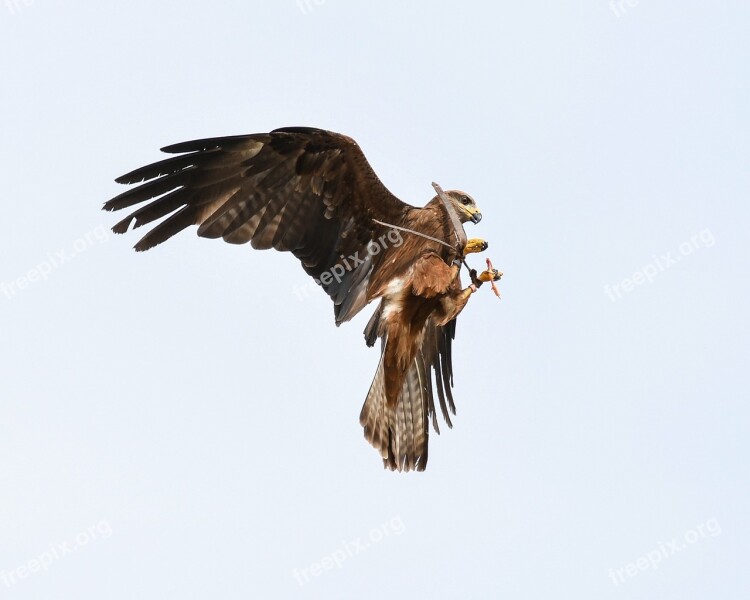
point(190, 426)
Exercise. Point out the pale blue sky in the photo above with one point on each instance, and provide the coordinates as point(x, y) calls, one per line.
point(191, 426)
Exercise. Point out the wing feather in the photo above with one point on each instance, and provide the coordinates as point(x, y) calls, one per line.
point(304, 190)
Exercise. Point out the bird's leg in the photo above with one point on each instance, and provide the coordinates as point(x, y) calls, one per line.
point(475, 245)
point(454, 302)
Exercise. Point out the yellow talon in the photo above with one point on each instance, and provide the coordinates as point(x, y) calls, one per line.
point(475, 245)
point(488, 275)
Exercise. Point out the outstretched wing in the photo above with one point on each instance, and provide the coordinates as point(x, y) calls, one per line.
point(401, 433)
point(303, 190)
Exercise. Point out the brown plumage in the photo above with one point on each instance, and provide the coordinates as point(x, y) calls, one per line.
point(312, 192)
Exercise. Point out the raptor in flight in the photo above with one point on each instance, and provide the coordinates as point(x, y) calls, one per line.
point(312, 193)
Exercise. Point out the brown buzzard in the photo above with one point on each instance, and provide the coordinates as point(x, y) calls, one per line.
point(312, 193)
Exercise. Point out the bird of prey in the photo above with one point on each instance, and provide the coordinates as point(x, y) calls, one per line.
point(312, 192)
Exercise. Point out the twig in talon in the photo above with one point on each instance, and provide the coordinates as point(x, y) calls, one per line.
point(492, 280)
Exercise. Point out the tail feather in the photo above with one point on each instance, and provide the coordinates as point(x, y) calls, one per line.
point(373, 417)
point(400, 433)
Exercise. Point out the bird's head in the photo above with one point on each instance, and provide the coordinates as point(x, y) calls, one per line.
point(465, 206)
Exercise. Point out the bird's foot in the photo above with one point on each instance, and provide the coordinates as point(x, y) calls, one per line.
point(489, 275)
point(475, 245)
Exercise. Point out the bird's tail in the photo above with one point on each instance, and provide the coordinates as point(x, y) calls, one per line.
point(399, 433)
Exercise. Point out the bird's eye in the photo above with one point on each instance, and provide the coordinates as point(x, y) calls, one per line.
point(465, 200)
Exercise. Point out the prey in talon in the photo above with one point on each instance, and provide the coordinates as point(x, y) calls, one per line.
point(490, 275)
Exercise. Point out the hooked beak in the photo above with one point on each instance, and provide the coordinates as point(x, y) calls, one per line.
point(476, 217)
